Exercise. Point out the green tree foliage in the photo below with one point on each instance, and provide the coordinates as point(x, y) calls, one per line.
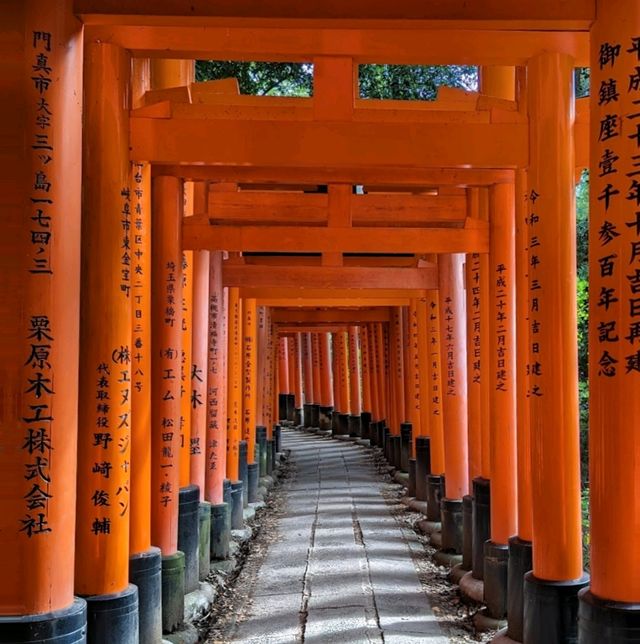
point(413, 82)
point(409, 82)
point(261, 79)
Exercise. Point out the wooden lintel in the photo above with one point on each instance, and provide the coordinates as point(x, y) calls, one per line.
point(354, 296)
point(322, 144)
point(329, 277)
point(447, 45)
point(398, 261)
point(278, 208)
point(567, 14)
point(203, 236)
point(330, 316)
point(384, 175)
point(328, 302)
point(289, 330)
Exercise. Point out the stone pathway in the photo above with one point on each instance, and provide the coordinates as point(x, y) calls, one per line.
point(341, 568)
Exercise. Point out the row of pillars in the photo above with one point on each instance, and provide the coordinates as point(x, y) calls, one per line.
point(140, 391)
point(108, 422)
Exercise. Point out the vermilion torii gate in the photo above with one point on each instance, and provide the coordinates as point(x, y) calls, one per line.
point(177, 255)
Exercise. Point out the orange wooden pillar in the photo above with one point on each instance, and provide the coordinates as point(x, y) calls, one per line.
point(454, 396)
point(249, 385)
point(186, 324)
point(609, 609)
point(355, 382)
point(317, 377)
point(199, 372)
point(217, 486)
point(167, 203)
point(197, 382)
point(473, 270)
point(520, 546)
point(293, 377)
point(413, 375)
point(382, 348)
point(40, 260)
point(367, 407)
point(342, 339)
point(283, 378)
point(167, 73)
point(145, 559)
point(102, 518)
point(216, 432)
point(550, 594)
point(326, 373)
point(307, 368)
point(422, 440)
point(501, 368)
point(296, 353)
point(234, 385)
point(376, 427)
point(435, 481)
point(396, 354)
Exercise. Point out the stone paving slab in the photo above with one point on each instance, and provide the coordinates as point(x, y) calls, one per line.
point(341, 569)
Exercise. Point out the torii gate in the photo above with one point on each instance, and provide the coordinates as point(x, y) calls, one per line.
point(75, 317)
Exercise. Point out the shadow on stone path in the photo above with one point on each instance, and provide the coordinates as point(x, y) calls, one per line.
point(340, 568)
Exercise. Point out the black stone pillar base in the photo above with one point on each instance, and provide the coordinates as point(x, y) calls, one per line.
point(365, 423)
point(374, 433)
point(551, 610)
point(411, 487)
point(607, 621)
point(354, 426)
point(325, 418)
point(520, 563)
point(277, 438)
point(243, 472)
point(220, 531)
point(270, 451)
point(315, 415)
point(307, 414)
point(65, 626)
point(298, 416)
point(189, 534)
point(481, 524)
point(204, 542)
point(335, 423)
point(253, 478)
point(406, 430)
point(113, 617)
point(395, 451)
point(451, 512)
point(172, 591)
point(423, 466)
point(467, 532)
point(496, 562)
point(261, 444)
point(435, 493)
point(386, 444)
point(145, 572)
point(282, 406)
point(343, 424)
point(291, 407)
point(226, 494)
point(237, 505)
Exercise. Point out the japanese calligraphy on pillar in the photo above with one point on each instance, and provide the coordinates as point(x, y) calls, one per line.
point(502, 303)
point(169, 394)
point(38, 417)
point(434, 354)
point(42, 156)
point(415, 359)
point(475, 316)
point(615, 269)
point(140, 251)
point(38, 385)
point(449, 345)
point(217, 376)
point(536, 297)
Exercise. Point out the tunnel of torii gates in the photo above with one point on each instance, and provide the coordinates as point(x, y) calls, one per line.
point(186, 270)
